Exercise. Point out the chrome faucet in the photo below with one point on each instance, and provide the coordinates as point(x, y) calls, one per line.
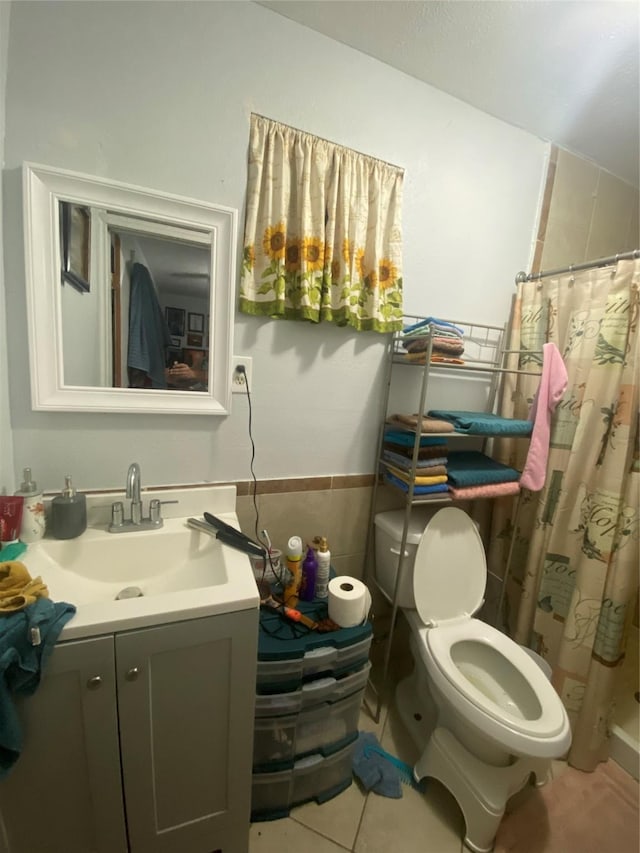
point(133, 492)
point(137, 521)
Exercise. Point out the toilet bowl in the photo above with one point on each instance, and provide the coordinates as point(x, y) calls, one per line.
point(496, 718)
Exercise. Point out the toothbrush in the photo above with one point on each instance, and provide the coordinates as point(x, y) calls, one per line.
point(266, 538)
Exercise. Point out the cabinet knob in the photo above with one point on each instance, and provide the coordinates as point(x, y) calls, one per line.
point(94, 683)
point(132, 673)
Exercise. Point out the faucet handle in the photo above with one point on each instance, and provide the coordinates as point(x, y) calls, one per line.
point(154, 509)
point(117, 514)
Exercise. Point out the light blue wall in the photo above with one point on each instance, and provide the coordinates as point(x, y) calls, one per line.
point(160, 94)
point(6, 436)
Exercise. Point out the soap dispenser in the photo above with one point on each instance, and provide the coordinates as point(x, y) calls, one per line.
point(32, 526)
point(68, 512)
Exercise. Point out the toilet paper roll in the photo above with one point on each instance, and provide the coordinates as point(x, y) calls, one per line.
point(349, 601)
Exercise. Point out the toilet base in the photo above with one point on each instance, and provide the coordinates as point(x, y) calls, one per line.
point(480, 789)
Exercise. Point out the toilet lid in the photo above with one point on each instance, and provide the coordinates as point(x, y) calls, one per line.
point(450, 571)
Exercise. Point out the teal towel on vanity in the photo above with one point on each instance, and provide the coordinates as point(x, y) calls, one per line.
point(12, 551)
point(21, 665)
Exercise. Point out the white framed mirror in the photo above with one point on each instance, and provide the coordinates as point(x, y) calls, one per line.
point(130, 296)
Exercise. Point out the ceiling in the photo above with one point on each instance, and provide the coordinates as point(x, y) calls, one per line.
point(565, 70)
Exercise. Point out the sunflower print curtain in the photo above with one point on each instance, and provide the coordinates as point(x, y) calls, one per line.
point(323, 237)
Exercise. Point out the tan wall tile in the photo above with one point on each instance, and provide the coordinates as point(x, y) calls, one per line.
point(574, 191)
point(348, 520)
point(565, 244)
point(350, 564)
point(284, 515)
point(633, 237)
point(611, 217)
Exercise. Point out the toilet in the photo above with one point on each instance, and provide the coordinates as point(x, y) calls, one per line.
point(482, 711)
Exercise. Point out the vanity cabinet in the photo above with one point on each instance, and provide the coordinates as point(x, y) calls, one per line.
point(139, 742)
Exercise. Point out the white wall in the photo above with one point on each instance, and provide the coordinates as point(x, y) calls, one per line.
point(7, 478)
point(160, 94)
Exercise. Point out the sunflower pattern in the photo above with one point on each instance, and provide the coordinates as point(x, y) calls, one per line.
point(301, 278)
point(297, 262)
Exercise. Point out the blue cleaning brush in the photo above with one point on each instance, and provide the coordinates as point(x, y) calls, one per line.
point(405, 771)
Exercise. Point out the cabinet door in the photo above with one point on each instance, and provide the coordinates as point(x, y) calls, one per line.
point(186, 696)
point(64, 794)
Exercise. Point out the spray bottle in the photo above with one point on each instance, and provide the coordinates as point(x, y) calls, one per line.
point(309, 570)
point(323, 571)
point(294, 564)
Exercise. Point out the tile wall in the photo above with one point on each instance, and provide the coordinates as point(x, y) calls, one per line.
point(587, 213)
point(336, 507)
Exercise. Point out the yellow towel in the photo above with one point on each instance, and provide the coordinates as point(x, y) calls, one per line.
point(419, 480)
point(18, 588)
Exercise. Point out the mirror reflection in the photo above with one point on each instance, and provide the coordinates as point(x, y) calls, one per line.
point(135, 301)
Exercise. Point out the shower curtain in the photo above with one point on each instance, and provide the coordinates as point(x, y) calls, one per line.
point(574, 566)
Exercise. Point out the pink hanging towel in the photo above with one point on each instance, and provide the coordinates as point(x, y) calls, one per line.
point(553, 384)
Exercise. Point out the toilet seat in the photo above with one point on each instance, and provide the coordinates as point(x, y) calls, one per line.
point(450, 569)
point(511, 699)
point(550, 718)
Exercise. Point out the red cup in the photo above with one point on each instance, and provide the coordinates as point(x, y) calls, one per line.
point(10, 518)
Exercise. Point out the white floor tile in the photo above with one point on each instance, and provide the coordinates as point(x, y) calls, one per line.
point(337, 819)
point(281, 836)
point(417, 823)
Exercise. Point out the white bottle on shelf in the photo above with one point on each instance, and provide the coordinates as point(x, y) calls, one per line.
point(324, 567)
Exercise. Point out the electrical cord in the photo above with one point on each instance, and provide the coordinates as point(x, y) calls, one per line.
point(279, 573)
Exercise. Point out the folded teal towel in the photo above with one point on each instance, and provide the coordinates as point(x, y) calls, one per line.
point(407, 439)
point(427, 321)
point(472, 468)
point(482, 423)
point(21, 664)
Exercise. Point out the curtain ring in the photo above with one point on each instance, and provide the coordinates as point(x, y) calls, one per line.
point(614, 268)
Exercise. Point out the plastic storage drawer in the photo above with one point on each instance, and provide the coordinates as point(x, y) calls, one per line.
point(274, 676)
point(328, 689)
point(311, 778)
point(326, 728)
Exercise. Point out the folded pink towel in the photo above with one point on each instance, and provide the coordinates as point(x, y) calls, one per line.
point(553, 384)
point(491, 490)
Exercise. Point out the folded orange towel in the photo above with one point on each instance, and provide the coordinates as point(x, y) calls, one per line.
point(426, 424)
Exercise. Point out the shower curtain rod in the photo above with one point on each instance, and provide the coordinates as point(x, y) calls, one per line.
point(601, 262)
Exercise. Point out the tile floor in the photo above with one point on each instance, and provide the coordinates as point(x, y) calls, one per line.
point(369, 823)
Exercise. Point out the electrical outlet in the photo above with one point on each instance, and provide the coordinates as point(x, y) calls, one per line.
point(238, 383)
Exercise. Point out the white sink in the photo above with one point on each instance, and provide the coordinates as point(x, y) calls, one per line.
point(181, 572)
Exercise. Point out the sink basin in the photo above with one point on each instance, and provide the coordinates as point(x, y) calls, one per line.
point(181, 572)
point(97, 565)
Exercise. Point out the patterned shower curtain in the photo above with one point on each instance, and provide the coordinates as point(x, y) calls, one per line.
point(323, 237)
point(575, 562)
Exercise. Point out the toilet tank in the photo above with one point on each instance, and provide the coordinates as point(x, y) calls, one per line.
point(388, 536)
